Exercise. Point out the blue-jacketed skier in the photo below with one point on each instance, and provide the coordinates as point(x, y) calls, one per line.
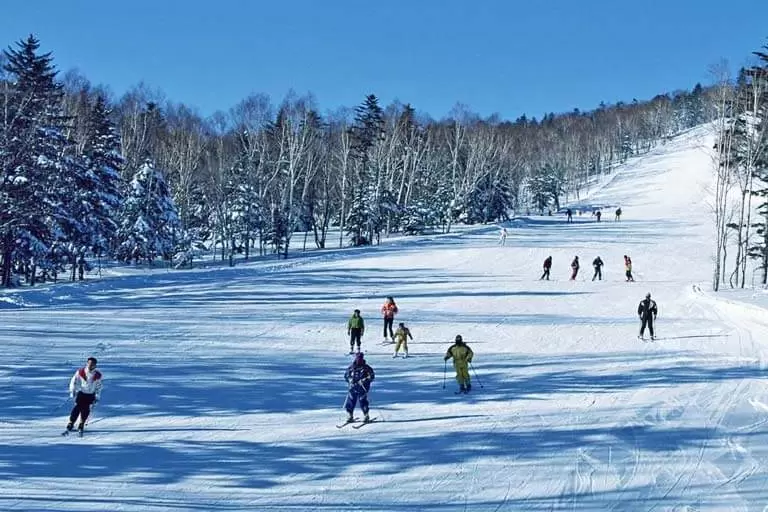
point(359, 377)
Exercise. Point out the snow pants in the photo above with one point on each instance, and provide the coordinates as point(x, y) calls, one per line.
point(357, 393)
point(598, 274)
point(82, 408)
point(574, 273)
point(649, 322)
point(355, 336)
point(388, 321)
point(401, 342)
point(462, 372)
point(545, 274)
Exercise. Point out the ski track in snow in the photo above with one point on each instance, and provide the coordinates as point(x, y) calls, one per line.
point(223, 386)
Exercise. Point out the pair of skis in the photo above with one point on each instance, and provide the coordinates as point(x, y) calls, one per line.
point(355, 424)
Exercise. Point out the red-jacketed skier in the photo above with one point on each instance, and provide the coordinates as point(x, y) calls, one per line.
point(389, 310)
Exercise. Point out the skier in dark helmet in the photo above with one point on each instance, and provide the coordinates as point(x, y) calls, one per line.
point(359, 376)
point(597, 263)
point(462, 355)
point(647, 311)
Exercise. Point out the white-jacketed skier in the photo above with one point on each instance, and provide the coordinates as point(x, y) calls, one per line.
point(85, 388)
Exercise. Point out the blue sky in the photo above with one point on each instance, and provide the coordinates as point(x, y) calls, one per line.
point(496, 56)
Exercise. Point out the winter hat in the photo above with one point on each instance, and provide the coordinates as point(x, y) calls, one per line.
point(401, 324)
point(459, 338)
point(647, 295)
point(359, 358)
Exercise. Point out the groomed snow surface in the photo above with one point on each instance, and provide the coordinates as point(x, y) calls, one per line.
point(223, 386)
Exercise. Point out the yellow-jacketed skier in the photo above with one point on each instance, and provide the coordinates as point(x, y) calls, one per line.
point(462, 356)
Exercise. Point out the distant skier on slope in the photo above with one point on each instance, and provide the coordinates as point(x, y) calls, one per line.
point(628, 268)
point(503, 236)
point(598, 264)
point(647, 311)
point(355, 330)
point(462, 355)
point(359, 376)
point(547, 267)
point(401, 339)
point(618, 214)
point(574, 268)
point(85, 388)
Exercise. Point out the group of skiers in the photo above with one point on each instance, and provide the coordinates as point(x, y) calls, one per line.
point(596, 213)
point(359, 375)
point(85, 386)
point(597, 264)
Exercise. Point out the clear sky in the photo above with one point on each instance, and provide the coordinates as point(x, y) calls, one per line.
point(496, 56)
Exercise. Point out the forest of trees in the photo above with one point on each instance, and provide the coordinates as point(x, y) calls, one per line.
point(741, 194)
point(140, 179)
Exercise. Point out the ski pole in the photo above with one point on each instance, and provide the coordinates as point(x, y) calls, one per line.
point(476, 377)
point(445, 369)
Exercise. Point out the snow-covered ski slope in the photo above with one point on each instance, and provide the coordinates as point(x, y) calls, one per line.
point(223, 386)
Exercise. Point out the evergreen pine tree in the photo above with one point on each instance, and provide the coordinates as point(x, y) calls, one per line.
point(149, 224)
point(99, 187)
point(35, 165)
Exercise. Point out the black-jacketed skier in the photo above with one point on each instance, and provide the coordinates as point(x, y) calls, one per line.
point(574, 268)
point(359, 377)
point(355, 330)
point(647, 311)
point(547, 268)
point(85, 388)
point(598, 264)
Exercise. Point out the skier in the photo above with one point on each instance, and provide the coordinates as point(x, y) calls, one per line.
point(503, 236)
point(569, 215)
point(574, 268)
point(355, 330)
point(359, 376)
point(462, 356)
point(618, 214)
point(547, 266)
point(598, 214)
point(389, 310)
point(85, 388)
point(647, 312)
point(598, 264)
point(401, 336)
point(628, 268)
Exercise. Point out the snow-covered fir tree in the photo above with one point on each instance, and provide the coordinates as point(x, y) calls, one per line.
point(364, 220)
point(35, 165)
point(96, 198)
point(149, 224)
